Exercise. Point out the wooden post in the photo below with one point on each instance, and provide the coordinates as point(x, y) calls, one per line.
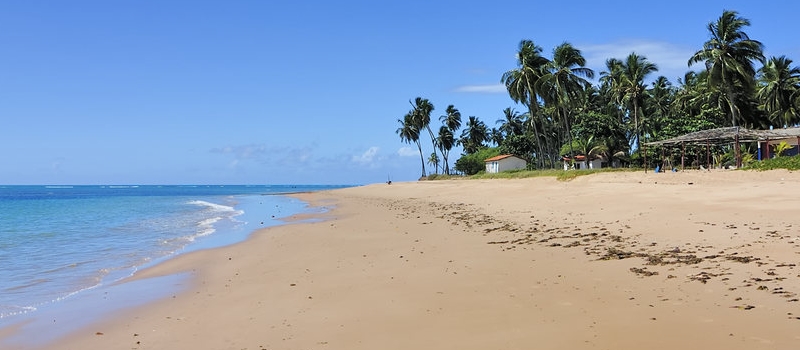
point(708, 154)
point(737, 150)
point(699, 156)
point(683, 154)
point(767, 149)
point(644, 153)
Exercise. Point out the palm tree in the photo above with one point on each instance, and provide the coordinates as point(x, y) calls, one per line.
point(409, 132)
point(451, 123)
point(778, 90)
point(446, 142)
point(523, 81)
point(590, 148)
point(728, 57)
point(631, 86)
point(611, 78)
point(434, 160)
point(565, 82)
point(511, 124)
point(452, 120)
point(695, 97)
point(421, 109)
point(474, 135)
point(661, 96)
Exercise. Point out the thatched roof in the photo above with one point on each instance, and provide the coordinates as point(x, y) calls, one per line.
point(721, 135)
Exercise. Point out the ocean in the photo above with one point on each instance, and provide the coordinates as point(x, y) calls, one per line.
point(62, 244)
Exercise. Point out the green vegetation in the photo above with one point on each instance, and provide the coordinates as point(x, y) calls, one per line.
point(781, 148)
point(561, 175)
point(790, 163)
point(566, 115)
point(472, 164)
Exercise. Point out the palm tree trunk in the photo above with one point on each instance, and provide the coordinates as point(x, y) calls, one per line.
point(636, 121)
point(421, 157)
point(539, 153)
point(637, 133)
point(734, 117)
point(551, 153)
point(569, 133)
point(433, 141)
point(446, 165)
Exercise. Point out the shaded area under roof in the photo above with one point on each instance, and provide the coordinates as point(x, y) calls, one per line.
point(728, 134)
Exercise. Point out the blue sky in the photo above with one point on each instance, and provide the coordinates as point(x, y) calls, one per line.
point(294, 92)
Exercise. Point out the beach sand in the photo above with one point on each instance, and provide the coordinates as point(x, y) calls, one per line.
point(607, 261)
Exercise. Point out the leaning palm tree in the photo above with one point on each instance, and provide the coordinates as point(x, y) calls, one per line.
point(421, 109)
point(779, 86)
point(409, 132)
point(728, 57)
point(523, 81)
point(565, 82)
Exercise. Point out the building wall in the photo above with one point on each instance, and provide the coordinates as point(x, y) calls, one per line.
point(510, 163)
point(762, 148)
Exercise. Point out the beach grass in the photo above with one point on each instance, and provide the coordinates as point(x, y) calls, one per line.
point(559, 174)
point(788, 163)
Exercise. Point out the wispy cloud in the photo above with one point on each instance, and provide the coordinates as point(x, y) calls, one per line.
point(670, 58)
point(263, 154)
point(242, 151)
point(482, 89)
point(367, 157)
point(407, 152)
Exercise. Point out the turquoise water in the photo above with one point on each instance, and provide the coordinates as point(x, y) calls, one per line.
point(60, 244)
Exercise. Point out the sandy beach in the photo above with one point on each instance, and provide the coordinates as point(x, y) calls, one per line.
point(607, 261)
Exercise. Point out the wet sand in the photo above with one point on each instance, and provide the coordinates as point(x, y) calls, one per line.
point(607, 261)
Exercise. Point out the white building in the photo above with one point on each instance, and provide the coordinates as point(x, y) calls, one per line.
point(582, 163)
point(504, 162)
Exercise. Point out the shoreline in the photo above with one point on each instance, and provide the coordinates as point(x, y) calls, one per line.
point(615, 260)
point(93, 304)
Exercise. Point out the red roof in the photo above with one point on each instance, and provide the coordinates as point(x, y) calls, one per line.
point(502, 156)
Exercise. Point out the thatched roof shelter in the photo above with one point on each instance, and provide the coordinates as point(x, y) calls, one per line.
point(728, 134)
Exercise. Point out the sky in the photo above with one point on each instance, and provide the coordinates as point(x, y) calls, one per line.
point(296, 92)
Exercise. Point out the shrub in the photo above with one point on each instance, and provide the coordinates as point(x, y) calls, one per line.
point(471, 164)
point(789, 163)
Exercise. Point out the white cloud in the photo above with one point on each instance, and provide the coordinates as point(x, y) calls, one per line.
point(671, 59)
point(407, 152)
point(367, 157)
point(482, 89)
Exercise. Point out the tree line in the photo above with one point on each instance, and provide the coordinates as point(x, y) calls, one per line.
point(566, 115)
